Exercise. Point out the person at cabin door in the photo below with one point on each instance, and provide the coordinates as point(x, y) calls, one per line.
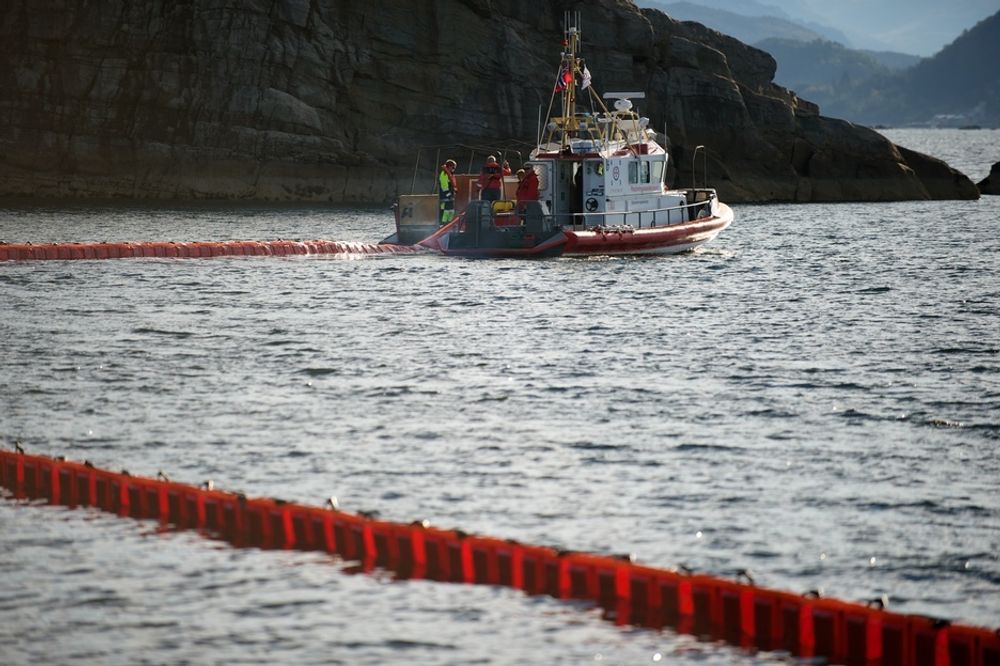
point(576, 198)
point(490, 180)
point(527, 189)
point(506, 168)
point(447, 186)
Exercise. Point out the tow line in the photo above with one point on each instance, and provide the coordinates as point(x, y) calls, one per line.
point(66, 251)
point(737, 612)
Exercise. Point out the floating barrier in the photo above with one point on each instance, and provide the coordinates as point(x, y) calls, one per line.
point(67, 251)
point(738, 613)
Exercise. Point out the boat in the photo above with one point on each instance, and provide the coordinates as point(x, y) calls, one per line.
point(602, 187)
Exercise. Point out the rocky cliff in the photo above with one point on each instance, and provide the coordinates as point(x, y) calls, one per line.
point(329, 100)
point(991, 184)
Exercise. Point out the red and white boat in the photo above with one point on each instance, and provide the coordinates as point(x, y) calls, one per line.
point(601, 189)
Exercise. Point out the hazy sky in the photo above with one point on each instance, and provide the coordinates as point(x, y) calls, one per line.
point(920, 27)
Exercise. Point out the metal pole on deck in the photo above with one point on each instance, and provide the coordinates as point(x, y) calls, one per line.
point(538, 142)
point(503, 178)
point(437, 163)
point(694, 167)
point(413, 183)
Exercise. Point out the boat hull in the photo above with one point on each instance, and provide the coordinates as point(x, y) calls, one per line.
point(442, 241)
point(672, 239)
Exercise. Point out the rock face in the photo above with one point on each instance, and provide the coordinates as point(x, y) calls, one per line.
point(325, 100)
point(991, 184)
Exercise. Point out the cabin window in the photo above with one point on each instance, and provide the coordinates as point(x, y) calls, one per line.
point(657, 172)
point(633, 172)
point(645, 172)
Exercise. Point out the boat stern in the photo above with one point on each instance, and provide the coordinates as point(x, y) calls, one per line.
point(416, 218)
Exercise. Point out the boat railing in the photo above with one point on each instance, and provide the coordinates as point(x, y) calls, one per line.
point(634, 218)
point(426, 172)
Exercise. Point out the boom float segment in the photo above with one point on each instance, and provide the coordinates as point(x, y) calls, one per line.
point(739, 613)
point(66, 251)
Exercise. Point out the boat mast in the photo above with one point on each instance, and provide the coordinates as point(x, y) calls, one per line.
point(568, 71)
point(567, 123)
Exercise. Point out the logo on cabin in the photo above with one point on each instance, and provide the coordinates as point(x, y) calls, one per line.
point(615, 173)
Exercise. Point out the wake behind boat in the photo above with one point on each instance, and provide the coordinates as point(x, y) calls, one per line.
point(600, 188)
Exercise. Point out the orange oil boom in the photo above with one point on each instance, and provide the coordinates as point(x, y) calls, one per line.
point(738, 613)
point(65, 251)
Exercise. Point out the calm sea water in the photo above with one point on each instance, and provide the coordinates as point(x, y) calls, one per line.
point(815, 396)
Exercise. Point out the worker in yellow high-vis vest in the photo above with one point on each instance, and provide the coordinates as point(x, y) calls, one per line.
point(447, 187)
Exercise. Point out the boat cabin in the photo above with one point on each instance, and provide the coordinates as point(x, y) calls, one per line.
point(620, 190)
point(606, 169)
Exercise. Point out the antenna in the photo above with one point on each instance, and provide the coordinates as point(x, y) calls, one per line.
point(539, 134)
point(666, 152)
point(416, 166)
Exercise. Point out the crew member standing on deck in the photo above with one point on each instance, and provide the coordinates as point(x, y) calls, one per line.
point(490, 180)
point(447, 187)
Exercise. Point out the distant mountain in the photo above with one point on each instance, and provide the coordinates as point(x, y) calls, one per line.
point(958, 86)
point(892, 60)
point(743, 7)
point(828, 32)
point(819, 70)
point(815, 67)
point(921, 27)
point(963, 76)
point(731, 17)
point(747, 29)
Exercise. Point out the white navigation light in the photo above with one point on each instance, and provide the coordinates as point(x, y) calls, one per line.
point(623, 105)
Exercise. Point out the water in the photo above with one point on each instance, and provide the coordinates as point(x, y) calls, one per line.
point(815, 396)
point(970, 151)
